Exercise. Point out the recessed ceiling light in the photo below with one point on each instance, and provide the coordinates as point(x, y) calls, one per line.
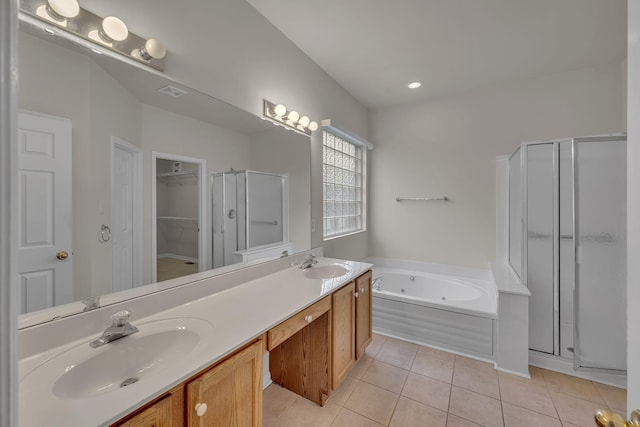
point(414, 85)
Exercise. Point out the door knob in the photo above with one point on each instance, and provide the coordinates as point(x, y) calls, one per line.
point(201, 408)
point(62, 255)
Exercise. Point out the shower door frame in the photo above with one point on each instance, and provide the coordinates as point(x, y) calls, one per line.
point(556, 238)
point(578, 256)
point(285, 208)
point(555, 235)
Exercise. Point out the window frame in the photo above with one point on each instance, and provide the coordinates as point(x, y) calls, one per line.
point(362, 202)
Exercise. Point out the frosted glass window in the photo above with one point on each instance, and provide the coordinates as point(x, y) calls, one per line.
point(342, 168)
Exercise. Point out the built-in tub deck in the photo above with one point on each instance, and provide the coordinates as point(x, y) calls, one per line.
point(441, 306)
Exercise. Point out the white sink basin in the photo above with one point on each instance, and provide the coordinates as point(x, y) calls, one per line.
point(325, 271)
point(83, 371)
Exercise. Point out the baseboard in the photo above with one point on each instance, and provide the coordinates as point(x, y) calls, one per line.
point(430, 344)
point(181, 257)
point(508, 371)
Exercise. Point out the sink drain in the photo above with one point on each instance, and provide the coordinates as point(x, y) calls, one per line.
point(129, 381)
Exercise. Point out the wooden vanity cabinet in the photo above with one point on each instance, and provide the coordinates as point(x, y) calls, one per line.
point(166, 411)
point(300, 356)
point(343, 345)
point(363, 313)
point(229, 394)
point(351, 325)
point(311, 354)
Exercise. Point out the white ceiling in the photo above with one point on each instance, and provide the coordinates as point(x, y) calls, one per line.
point(373, 48)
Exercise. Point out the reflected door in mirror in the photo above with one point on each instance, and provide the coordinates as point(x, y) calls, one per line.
point(45, 214)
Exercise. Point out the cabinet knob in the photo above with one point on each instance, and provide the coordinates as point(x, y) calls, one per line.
point(308, 318)
point(363, 290)
point(201, 408)
point(355, 294)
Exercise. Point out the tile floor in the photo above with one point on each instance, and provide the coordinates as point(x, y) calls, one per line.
point(402, 384)
point(170, 268)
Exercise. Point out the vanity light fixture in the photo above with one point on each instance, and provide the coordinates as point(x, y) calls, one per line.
point(279, 115)
point(110, 32)
point(152, 48)
point(414, 85)
point(280, 110)
point(59, 11)
point(113, 29)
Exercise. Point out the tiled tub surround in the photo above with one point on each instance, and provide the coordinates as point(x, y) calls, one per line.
point(407, 385)
point(444, 306)
point(238, 315)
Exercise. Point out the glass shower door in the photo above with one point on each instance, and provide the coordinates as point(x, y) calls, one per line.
point(515, 212)
point(267, 209)
point(541, 245)
point(600, 238)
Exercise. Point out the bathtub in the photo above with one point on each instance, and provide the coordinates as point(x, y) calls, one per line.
point(441, 306)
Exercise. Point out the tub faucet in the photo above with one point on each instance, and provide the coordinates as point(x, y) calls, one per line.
point(120, 328)
point(309, 262)
point(377, 283)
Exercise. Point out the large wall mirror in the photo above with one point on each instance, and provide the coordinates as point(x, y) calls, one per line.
point(126, 188)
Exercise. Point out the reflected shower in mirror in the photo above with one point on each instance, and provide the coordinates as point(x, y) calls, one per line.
point(116, 167)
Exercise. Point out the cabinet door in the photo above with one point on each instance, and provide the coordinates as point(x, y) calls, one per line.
point(230, 394)
point(363, 313)
point(343, 333)
point(156, 415)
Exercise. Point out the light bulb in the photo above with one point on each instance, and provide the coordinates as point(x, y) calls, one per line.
point(414, 85)
point(304, 121)
point(113, 29)
point(153, 48)
point(293, 116)
point(313, 126)
point(61, 9)
point(280, 110)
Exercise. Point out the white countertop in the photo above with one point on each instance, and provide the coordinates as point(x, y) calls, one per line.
point(237, 315)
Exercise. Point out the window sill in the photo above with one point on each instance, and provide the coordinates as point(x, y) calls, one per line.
point(326, 239)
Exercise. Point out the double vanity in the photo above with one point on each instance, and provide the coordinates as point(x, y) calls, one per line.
point(201, 363)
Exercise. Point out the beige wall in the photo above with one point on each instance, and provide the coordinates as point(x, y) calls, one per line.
point(447, 147)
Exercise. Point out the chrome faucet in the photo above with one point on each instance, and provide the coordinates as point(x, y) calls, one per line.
point(120, 328)
point(309, 262)
point(377, 283)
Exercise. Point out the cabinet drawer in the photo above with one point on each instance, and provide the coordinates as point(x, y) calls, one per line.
point(289, 327)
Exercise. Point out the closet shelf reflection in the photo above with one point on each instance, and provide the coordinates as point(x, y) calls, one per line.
point(193, 173)
point(178, 218)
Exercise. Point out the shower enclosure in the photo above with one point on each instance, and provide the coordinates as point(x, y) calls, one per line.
point(567, 243)
point(249, 214)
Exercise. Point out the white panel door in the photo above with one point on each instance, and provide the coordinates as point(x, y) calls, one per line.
point(45, 254)
point(127, 223)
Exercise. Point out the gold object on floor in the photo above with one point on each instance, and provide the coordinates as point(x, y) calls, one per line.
point(608, 418)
